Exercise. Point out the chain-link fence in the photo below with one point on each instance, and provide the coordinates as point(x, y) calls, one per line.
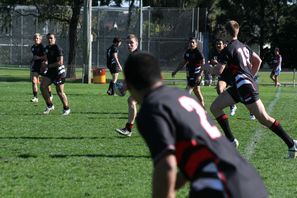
point(165, 32)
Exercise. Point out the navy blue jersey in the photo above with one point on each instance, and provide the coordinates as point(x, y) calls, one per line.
point(171, 121)
point(194, 58)
point(237, 57)
point(109, 55)
point(37, 50)
point(53, 52)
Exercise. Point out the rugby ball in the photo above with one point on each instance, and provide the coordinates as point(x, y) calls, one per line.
point(120, 88)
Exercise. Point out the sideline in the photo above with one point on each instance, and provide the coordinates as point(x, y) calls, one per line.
point(251, 145)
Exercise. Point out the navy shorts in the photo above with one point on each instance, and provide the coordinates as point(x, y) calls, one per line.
point(246, 94)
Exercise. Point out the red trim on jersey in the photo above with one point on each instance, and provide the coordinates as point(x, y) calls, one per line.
point(181, 146)
point(195, 160)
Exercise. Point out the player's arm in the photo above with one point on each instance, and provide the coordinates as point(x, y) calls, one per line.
point(164, 177)
point(58, 63)
point(255, 63)
point(116, 58)
point(216, 69)
point(179, 67)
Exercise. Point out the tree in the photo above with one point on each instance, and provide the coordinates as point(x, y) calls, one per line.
point(64, 11)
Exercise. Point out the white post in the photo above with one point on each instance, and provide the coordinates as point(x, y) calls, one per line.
point(87, 48)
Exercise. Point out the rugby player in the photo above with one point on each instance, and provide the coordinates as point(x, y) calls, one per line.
point(243, 64)
point(113, 63)
point(193, 60)
point(54, 73)
point(184, 143)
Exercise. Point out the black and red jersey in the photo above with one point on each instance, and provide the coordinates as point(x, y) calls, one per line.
point(193, 57)
point(37, 50)
point(237, 57)
point(171, 121)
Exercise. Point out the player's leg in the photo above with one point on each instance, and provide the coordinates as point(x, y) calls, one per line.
point(45, 83)
point(35, 80)
point(221, 86)
point(222, 101)
point(63, 98)
point(132, 113)
point(258, 109)
point(198, 93)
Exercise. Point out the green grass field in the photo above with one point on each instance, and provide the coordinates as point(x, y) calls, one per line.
point(81, 155)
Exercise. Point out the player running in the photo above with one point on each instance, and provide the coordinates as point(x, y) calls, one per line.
point(184, 143)
point(193, 59)
point(244, 65)
point(277, 67)
point(54, 73)
point(224, 79)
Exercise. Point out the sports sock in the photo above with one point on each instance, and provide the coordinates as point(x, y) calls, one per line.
point(111, 87)
point(35, 94)
point(49, 104)
point(224, 123)
point(280, 132)
point(129, 126)
point(66, 108)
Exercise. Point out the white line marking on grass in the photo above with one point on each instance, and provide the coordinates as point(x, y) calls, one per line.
point(250, 149)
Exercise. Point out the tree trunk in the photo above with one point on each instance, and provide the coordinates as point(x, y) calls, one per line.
point(77, 4)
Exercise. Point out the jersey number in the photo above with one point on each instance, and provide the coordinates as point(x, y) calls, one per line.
point(191, 105)
point(245, 55)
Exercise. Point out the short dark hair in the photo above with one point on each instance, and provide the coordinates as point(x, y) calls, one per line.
point(142, 70)
point(132, 36)
point(116, 40)
point(51, 34)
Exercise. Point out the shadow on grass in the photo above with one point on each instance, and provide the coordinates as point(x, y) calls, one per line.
point(28, 155)
point(97, 155)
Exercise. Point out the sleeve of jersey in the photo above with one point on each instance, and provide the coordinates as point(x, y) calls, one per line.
point(157, 134)
point(60, 51)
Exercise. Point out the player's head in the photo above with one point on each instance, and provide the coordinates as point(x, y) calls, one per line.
point(142, 72)
point(232, 28)
point(276, 51)
point(117, 41)
point(37, 38)
point(220, 45)
point(193, 43)
point(132, 42)
point(51, 38)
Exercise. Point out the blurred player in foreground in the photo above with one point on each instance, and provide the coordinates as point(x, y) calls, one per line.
point(193, 60)
point(184, 143)
point(38, 57)
point(243, 64)
point(113, 63)
point(54, 73)
point(132, 42)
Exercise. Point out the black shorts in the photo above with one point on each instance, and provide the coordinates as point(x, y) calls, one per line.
point(36, 69)
point(246, 94)
point(114, 68)
point(194, 76)
point(57, 75)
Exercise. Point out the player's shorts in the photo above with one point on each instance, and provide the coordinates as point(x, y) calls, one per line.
point(114, 68)
point(244, 90)
point(57, 75)
point(277, 72)
point(36, 69)
point(225, 79)
point(194, 76)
